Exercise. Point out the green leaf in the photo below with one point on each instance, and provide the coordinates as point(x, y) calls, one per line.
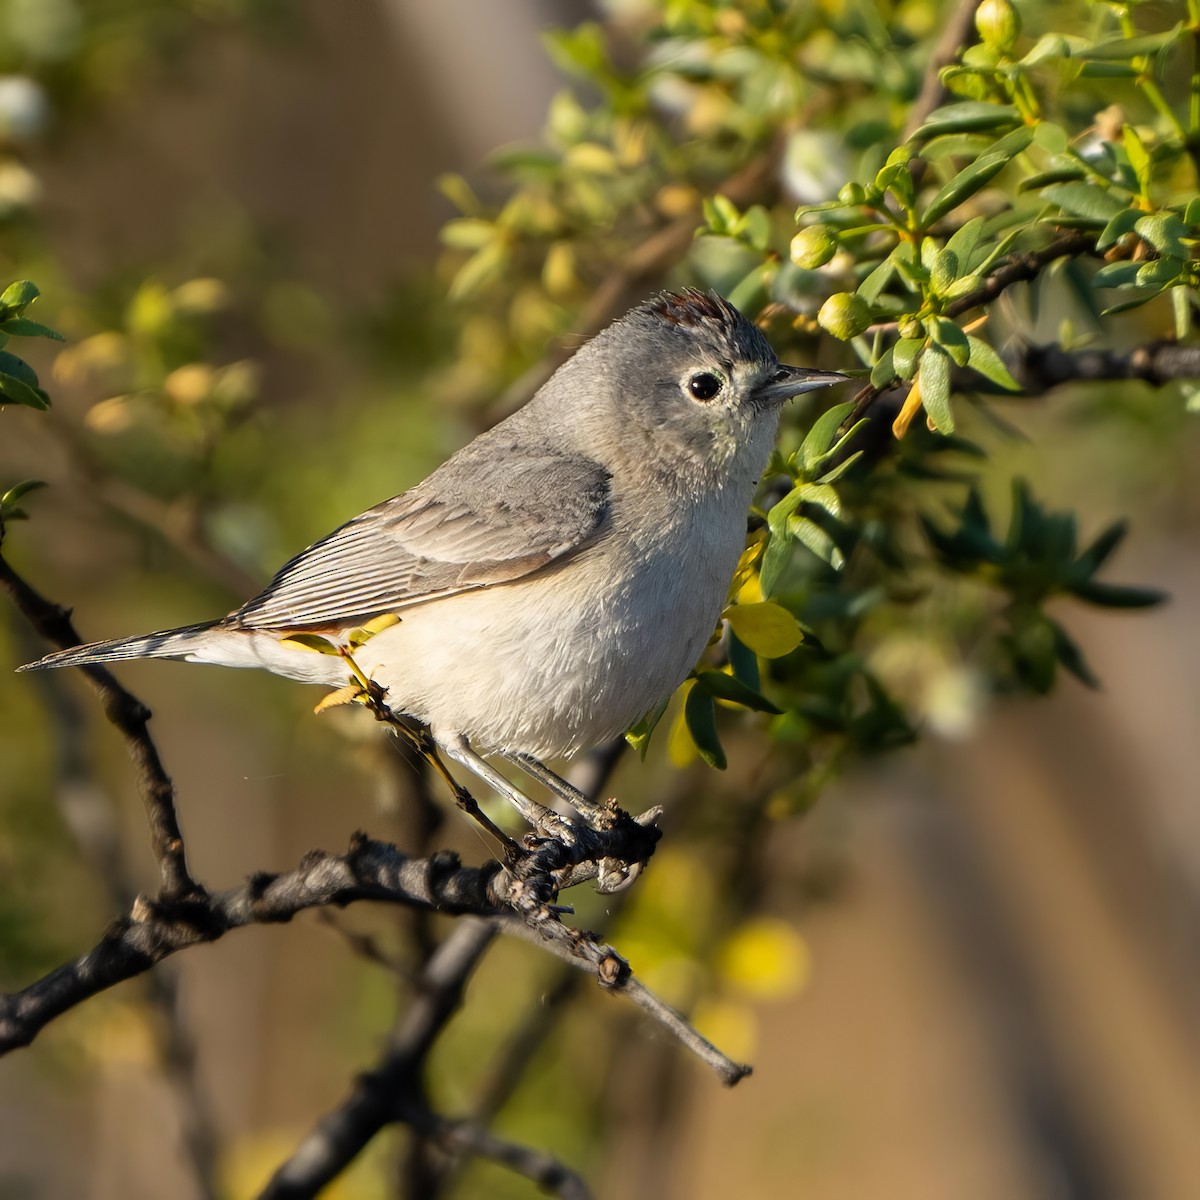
point(934, 377)
point(1035, 183)
point(1116, 274)
point(726, 687)
point(19, 296)
point(873, 285)
point(905, 354)
point(20, 392)
point(950, 337)
point(1164, 231)
point(1118, 226)
point(1070, 655)
point(1098, 553)
point(700, 715)
point(967, 116)
point(822, 437)
point(1139, 156)
point(989, 364)
point(1095, 204)
point(965, 241)
point(24, 327)
point(743, 660)
point(1111, 595)
point(18, 490)
point(639, 735)
point(10, 364)
point(1124, 49)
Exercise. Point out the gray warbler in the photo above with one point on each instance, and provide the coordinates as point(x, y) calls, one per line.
point(555, 579)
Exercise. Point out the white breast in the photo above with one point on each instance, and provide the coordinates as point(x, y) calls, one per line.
point(573, 655)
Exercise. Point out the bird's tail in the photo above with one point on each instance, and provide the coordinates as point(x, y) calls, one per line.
point(184, 642)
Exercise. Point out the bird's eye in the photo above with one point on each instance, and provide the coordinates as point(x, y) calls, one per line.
point(704, 385)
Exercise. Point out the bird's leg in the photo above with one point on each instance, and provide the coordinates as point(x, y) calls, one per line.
point(545, 820)
point(426, 747)
point(536, 769)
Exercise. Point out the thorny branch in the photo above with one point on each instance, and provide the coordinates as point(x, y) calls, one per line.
point(129, 715)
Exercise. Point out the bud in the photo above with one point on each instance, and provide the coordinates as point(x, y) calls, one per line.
point(814, 247)
point(999, 24)
point(845, 315)
point(911, 327)
point(852, 194)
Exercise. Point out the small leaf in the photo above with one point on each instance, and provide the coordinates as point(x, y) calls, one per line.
point(1096, 204)
point(934, 376)
point(24, 327)
point(1116, 274)
point(1123, 49)
point(19, 392)
point(767, 629)
point(10, 498)
point(639, 735)
point(310, 641)
point(1118, 227)
point(949, 336)
point(821, 436)
point(1111, 595)
point(967, 116)
point(1163, 230)
point(700, 715)
point(989, 364)
point(19, 296)
point(743, 660)
point(727, 687)
point(1070, 655)
point(904, 356)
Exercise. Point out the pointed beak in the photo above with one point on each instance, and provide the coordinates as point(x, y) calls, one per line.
point(792, 381)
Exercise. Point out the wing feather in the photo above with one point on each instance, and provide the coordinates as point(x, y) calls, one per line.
point(471, 524)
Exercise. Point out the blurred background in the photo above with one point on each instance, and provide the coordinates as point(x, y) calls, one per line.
point(971, 969)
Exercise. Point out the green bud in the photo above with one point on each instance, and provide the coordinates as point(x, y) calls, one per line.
point(852, 195)
point(911, 327)
point(814, 247)
point(999, 24)
point(845, 315)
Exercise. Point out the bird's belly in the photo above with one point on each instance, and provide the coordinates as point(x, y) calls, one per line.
point(561, 661)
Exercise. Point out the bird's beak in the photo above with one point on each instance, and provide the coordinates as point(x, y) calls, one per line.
point(791, 381)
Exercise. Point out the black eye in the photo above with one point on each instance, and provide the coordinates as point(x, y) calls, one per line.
point(705, 385)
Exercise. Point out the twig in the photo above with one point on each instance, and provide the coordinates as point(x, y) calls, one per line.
point(129, 715)
point(89, 816)
point(467, 1138)
point(1017, 269)
point(957, 34)
point(381, 1095)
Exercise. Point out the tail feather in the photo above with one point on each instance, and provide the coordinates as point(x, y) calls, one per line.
point(167, 643)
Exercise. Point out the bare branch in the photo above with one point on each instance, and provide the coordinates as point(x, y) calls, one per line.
point(155, 929)
point(1040, 368)
point(129, 715)
point(957, 34)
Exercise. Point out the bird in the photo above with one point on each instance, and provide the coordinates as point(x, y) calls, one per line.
point(557, 578)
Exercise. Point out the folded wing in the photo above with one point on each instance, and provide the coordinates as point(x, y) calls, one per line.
point(471, 524)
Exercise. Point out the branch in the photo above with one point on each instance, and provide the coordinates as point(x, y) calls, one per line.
point(957, 34)
point(129, 715)
point(1040, 368)
point(1020, 268)
point(155, 929)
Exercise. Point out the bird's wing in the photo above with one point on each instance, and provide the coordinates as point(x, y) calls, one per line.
point(473, 523)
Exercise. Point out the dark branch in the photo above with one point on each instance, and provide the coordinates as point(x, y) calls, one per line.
point(1020, 268)
point(129, 715)
point(957, 34)
point(1040, 368)
point(155, 929)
